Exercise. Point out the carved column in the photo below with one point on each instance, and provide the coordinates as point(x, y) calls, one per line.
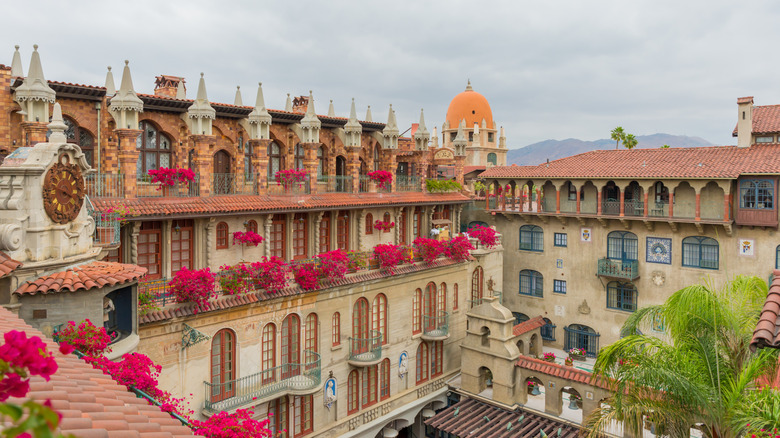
point(203, 161)
point(317, 222)
point(598, 202)
point(456, 223)
point(647, 203)
point(539, 200)
point(392, 165)
point(361, 224)
point(134, 242)
point(268, 223)
point(210, 244)
point(622, 202)
point(671, 204)
point(128, 159)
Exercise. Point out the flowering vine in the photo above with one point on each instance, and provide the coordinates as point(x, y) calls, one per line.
point(485, 235)
point(234, 280)
point(390, 256)
point(382, 178)
point(429, 249)
point(119, 211)
point(383, 225)
point(333, 264)
point(170, 176)
point(458, 248)
point(270, 274)
point(237, 425)
point(197, 286)
point(288, 178)
point(85, 337)
point(306, 275)
point(247, 237)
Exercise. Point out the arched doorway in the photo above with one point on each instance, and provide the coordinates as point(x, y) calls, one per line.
point(341, 172)
point(222, 176)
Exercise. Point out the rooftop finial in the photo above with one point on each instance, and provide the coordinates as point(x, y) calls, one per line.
point(110, 87)
point(288, 105)
point(331, 110)
point(238, 101)
point(468, 86)
point(16, 64)
point(368, 114)
point(57, 126)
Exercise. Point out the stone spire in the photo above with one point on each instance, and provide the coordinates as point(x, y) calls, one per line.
point(238, 101)
point(201, 113)
point(126, 105)
point(368, 114)
point(310, 123)
point(435, 138)
point(288, 104)
point(181, 93)
point(16, 64)
point(259, 118)
point(391, 132)
point(353, 129)
point(502, 139)
point(331, 110)
point(460, 142)
point(475, 138)
point(35, 93)
point(110, 87)
point(422, 136)
point(57, 126)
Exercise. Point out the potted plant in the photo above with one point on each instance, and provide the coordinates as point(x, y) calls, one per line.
point(485, 235)
point(382, 178)
point(290, 177)
point(569, 361)
point(549, 357)
point(383, 225)
point(234, 280)
point(578, 354)
point(247, 238)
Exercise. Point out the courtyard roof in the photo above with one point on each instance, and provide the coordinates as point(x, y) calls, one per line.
point(7, 264)
point(718, 162)
point(766, 120)
point(561, 371)
point(84, 277)
point(527, 326)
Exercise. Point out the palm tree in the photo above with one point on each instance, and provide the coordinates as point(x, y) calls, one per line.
point(699, 372)
point(617, 135)
point(629, 141)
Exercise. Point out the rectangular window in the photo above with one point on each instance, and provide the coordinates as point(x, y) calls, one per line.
point(572, 192)
point(437, 358)
point(278, 240)
point(342, 230)
point(490, 137)
point(416, 326)
point(765, 139)
point(150, 249)
point(559, 286)
point(324, 245)
point(303, 418)
point(300, 236)
point(621, 297)
point(384, 379)
point(368, 390)
point(758, 194)
point(561, 239)
point(336, 329)
point(181, 245)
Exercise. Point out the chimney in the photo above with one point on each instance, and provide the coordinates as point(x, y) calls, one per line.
point(414, 129)
point(745, 121)
point(168, 86)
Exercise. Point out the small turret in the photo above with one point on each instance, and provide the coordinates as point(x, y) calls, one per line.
point(502, 139)
point(110, 87)
point(310, 124)
point(238, 101)
point(422, 136)
point(435, 138)
point(353, 129)
point(288, 105)
point(181, 92)
point(331, 110)
point(201, 113)
point(16, 64)
point(35, 95)
point(391, 132)
point(368, 114)
point(57, 126)
point(460, 142)
point(126, 105)
point(259, 118)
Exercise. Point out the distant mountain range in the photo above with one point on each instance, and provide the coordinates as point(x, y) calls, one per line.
point(538, 153)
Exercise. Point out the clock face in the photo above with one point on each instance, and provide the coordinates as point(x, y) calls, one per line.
point(63, 191)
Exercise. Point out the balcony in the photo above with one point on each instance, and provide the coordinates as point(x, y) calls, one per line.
point(145, 188)
point(367, 185)
point(436, 328)
point(277, 189)
point(105, 185)
point(620, 269)
point(365, 352)
point(233, 184)
point(404, 183)
point(291, 378)
point(334, 184)
point(106, 226)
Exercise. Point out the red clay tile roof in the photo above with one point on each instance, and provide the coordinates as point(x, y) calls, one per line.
point(234, 301)
point(746, 99)
point(469, 169)
point(475, 418)
point(766, 120)
point(527, 326)
point(84, 277)
point(767, 333)
point(150, 207)
point(71, 84)
point(561, 371)
point(703, 162)
point(7, 264)
point(91, 403)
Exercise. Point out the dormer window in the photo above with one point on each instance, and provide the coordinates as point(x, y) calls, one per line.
point(765, 139)
point(757, 194)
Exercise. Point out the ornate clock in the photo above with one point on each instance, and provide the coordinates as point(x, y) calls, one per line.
point(63, 191)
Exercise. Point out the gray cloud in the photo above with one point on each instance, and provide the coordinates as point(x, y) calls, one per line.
point(553, 69)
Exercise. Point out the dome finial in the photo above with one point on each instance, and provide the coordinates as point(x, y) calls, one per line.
point(468, 86)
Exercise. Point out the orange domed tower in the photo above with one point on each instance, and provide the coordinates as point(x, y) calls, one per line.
point(472, 110)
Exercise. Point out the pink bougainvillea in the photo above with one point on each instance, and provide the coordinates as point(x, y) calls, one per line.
point(383, 225)
point(169, 177)
point(288, 178)
point(236, 425)
point(270, 274)
point(429, 249)
point(306, 275)
point(382, 178)
point(195, 286)
point(485, 235)
point(247, 238)
point(234, 280)
point(390, 256)
point(21, 357)
point(84, 337)
point(457, 249)
point(333, 264)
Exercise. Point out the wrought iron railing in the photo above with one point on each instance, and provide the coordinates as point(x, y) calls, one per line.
point(367, 349)
point(233, 184)
point(367, 185)
point(548, 331)
point(625, 269)
point(335, 184)
point(298, 188)
point(610, 207)
point(658, 209)
point(107, 226)
point(575, 338)
point(436, 325)
point(405, 183)
point(145, 188)
point(105, 185)
point(286, 377)
point(633, 208)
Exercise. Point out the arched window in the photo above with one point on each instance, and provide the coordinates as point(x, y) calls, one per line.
point(80, 136)
point(353, 392)
point(386, 219)
point(291, 346)
point(299, 155)
point(622, 245)
point(581, 336)
point(223, 365)
point(455, 296)
point(476, 287)
point(531, 238)
point(154, 149)
point(492, 159)
point(269, 353)
point(379, 316)
point(360, 325)
point(429, 307)
point(661, 194)
point(548, 330)
point(377, 157)
point(520, 317)
point(300, 236)
point(278, 239)
point(342, 230)
point(422, 363)
point(222, 235)
point(700, 252)
point(621, 296)
point(757, 194)
point(437, 358)
point(324, 244)
point(311, 340)
point(416, 312)
point(336, 329)
point(369, 223)
point(249, 172)
point(384, 379)
point(322, 163)
point(251, 226)
point(303, 416)
point(275, 160)
point(531, 283)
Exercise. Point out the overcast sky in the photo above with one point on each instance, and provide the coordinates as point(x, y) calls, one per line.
point(550, 69)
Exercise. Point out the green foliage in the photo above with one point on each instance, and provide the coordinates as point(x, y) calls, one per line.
point(146, 302)
point(702, 365)
point(617, 135)
point(33, 418)
point(666, 146)
point(442, 185)
point(629, 141)
point(479, 186)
